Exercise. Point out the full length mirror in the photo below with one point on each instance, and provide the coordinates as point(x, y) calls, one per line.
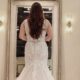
point(21, 11)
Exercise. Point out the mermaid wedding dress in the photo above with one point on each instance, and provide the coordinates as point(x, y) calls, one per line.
point(36, 57)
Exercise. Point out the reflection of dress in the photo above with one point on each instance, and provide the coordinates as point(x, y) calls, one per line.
point(36, 56)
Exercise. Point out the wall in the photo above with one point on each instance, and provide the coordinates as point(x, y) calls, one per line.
point(3, 16)
point(70, 67)
point(71, 41)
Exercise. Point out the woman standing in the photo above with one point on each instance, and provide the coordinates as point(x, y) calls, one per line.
point(36, 50)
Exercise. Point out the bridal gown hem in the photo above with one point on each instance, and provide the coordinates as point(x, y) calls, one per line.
point(36, 57)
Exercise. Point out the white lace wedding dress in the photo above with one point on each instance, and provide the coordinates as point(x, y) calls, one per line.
point(36, 57)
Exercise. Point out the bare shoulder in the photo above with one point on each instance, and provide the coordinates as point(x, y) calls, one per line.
point(47, 23)
point(25, 20)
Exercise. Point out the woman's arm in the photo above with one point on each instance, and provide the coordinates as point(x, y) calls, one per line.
point(22, 32)
point(49, 31)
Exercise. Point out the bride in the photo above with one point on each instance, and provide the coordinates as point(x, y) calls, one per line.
point(36, 26)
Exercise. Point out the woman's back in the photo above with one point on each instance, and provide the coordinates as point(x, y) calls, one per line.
point(36, 56)
point(42, 36)
point(36, 49)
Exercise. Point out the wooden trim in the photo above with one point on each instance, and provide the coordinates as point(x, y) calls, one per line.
point(60, 39)
point(8, 40)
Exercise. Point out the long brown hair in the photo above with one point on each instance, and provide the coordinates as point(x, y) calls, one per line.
point(35, 20)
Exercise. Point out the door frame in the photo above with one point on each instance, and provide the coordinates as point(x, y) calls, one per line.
point(12, 60)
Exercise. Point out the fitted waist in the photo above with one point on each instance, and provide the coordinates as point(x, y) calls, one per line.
point(35, 41)
point(36, 61)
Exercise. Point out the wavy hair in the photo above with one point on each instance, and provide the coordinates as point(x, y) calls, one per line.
point(35, 20)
